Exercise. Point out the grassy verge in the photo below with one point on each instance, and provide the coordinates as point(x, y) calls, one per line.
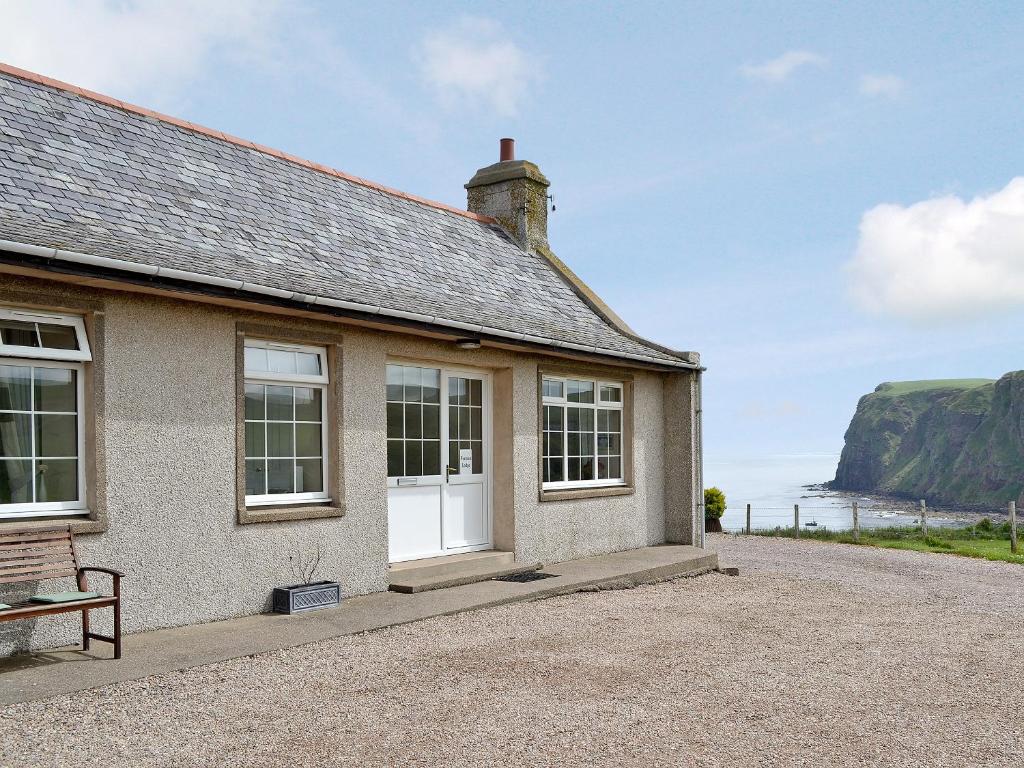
point(983, 539)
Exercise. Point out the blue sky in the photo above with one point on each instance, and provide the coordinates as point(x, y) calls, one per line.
point(816, 197)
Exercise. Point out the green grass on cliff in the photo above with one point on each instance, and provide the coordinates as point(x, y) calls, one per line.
point(954, 441)
point(984, 539)
point(897, 388)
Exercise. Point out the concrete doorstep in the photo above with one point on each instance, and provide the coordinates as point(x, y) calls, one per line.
point(454, 570)
point(42, 675)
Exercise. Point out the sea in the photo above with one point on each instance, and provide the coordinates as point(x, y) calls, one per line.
point(773, 484)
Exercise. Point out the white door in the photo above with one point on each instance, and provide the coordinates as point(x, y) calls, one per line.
point(438, 433)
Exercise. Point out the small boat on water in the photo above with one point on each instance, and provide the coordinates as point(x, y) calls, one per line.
point(811, 524)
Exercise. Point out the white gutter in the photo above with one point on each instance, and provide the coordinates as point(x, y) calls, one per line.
point(239, 285)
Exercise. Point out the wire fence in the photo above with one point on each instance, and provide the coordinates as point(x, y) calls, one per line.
point(805, 517)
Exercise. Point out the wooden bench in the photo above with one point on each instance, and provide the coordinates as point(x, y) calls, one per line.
point(35, 555)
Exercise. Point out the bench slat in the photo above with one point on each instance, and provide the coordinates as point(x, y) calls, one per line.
point(6, 547)
point(28, 610)
point(27, 556)
point(49, 544)
point(16, 558)
point(8, 566)
point(10, 546)
point(31, 551)
point(49, 561)
point(42, 535)
point(39, 576)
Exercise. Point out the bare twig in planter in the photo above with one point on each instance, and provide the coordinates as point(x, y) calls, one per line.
point(304, 570)
point(315, 565)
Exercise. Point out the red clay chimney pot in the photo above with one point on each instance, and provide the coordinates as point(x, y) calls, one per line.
point(508, 150)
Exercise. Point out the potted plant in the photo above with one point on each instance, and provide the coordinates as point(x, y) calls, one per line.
point(714, 508)
point(309, 595)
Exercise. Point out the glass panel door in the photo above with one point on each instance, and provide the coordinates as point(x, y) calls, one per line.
point(436, 461)
point(466, 516)
point(465, 426)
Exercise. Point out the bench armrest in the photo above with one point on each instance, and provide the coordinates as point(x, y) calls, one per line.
point(108, 571)
point(115, 576)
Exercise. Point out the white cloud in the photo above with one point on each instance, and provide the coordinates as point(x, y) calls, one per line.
point(131, 47)
point(779, 69)
point(885, 86)
point(155, 52)
point(473, 61)
point(943, 257)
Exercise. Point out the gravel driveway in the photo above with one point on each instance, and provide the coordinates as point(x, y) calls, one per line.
point(818, 654)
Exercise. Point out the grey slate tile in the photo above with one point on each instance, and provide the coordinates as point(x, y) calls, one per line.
point(88, 177)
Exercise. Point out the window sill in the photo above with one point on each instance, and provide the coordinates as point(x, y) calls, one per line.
point(269, 513)
point(586, 492)
point(80, 522)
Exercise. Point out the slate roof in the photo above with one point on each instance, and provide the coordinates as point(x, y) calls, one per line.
point(89, 177)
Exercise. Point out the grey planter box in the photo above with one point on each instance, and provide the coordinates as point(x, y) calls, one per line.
point(306, 597)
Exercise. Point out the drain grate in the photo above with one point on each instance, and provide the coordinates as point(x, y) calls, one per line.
point(522, 578)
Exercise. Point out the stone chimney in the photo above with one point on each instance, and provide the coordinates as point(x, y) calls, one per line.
point(515, 193)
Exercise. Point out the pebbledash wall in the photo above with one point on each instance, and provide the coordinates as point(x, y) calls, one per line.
point(168, 439)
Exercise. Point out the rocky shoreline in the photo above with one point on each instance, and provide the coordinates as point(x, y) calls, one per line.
point(963, 512)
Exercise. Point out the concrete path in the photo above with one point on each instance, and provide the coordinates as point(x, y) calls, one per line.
point(46, 674)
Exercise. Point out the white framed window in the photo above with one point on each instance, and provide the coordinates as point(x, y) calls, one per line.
point(42, 437)
point(42, 335)
point(285, 423)
point(582, 433)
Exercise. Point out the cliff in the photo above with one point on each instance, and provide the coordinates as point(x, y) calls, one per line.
point(950, 442)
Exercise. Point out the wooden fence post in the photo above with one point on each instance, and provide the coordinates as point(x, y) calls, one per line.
point(856, 523)
point(796, 520)
point(748, 519)
point(1013, 527)
point(924, 517)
